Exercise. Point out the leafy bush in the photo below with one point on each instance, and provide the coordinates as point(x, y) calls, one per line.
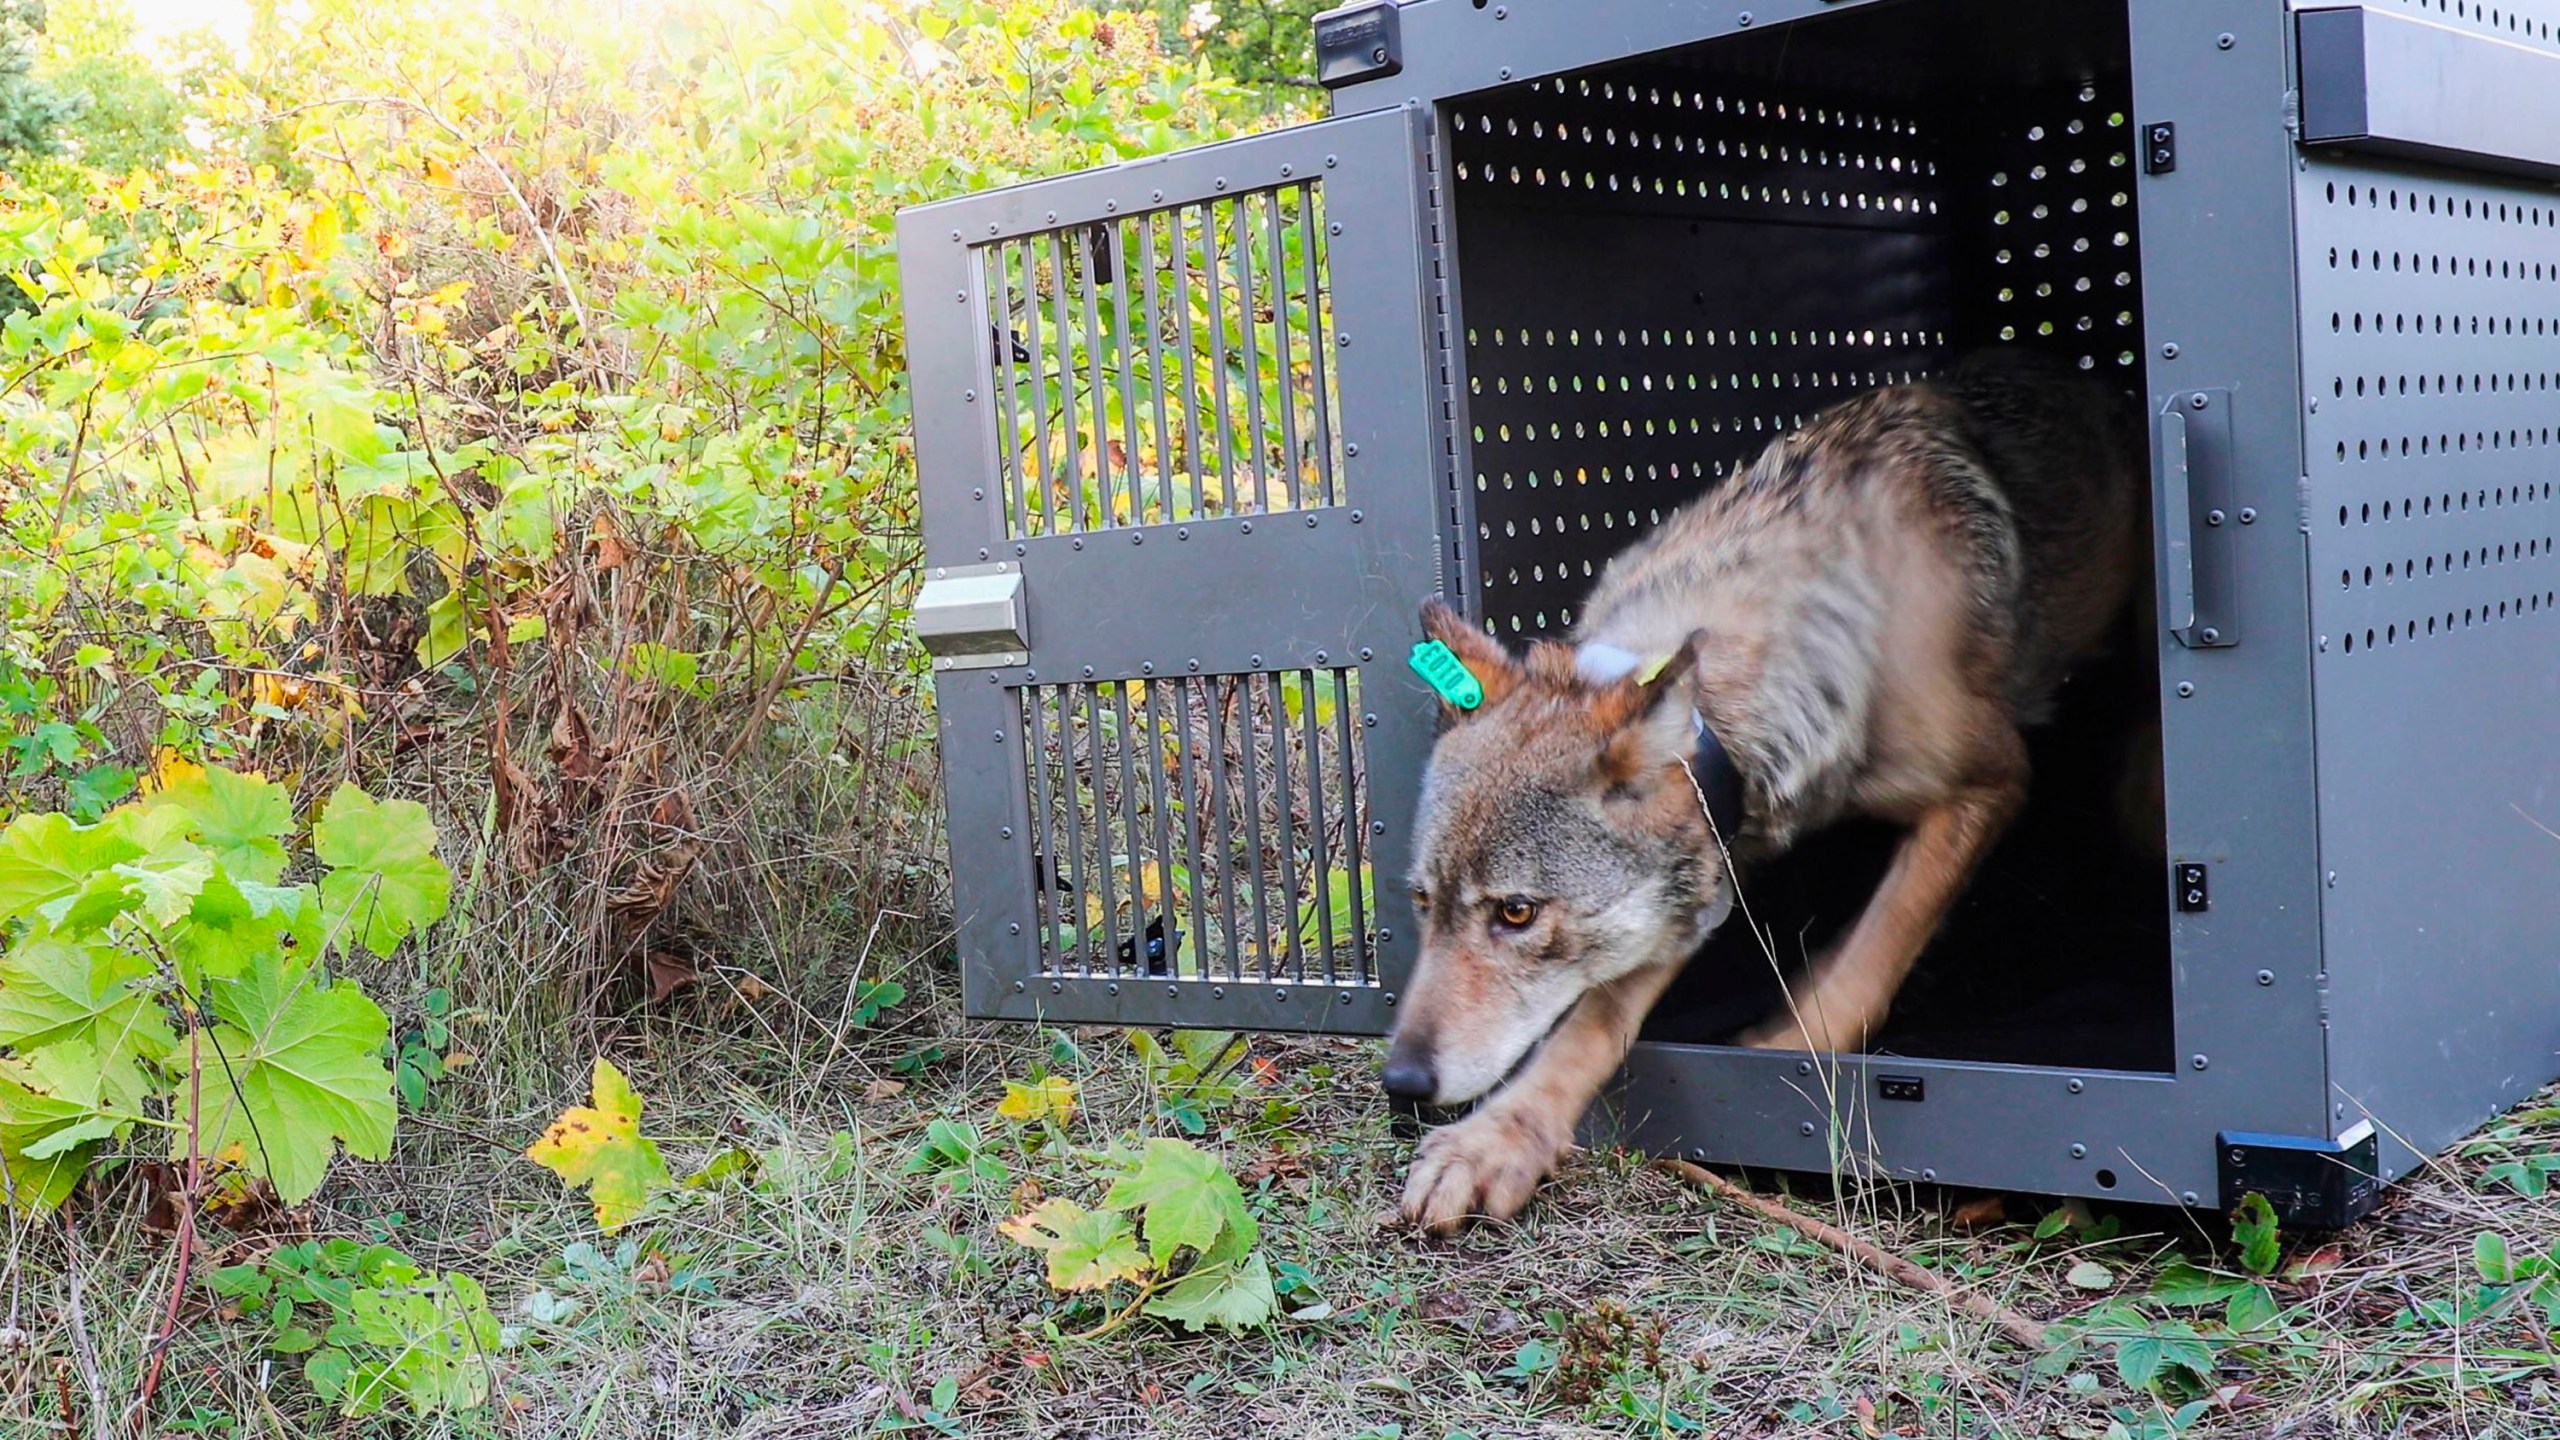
point(161, 974)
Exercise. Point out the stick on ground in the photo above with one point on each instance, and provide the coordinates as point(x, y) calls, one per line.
point(2027, 1332)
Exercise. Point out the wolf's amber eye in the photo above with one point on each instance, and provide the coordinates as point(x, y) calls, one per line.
point(1421, 899)
point(1515, 912)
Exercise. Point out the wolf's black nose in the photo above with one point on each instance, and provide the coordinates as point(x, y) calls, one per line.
point(1411, 1079)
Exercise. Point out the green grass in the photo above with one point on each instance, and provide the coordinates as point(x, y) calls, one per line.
point(840, 1293)
point(835, 1294)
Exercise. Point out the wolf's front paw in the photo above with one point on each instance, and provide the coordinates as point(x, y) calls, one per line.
point(1485, 1167)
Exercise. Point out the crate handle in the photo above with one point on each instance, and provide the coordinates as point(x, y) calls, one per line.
point(2177, 513)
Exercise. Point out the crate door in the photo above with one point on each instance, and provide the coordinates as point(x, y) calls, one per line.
point(1175, 422)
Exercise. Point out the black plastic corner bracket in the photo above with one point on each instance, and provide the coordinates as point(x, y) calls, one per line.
point(2319, 1184)
point(1361, 41)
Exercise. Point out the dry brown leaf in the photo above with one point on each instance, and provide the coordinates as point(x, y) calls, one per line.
point(668, 973)
point(880, 1090)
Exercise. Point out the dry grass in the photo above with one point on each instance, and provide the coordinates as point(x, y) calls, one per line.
point(831, 1297)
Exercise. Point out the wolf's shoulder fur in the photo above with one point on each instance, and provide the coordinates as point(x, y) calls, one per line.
point(1991, 509)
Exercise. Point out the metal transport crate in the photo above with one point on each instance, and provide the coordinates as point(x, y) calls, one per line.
point(1197, 433)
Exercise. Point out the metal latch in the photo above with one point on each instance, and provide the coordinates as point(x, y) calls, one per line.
point(972, 617)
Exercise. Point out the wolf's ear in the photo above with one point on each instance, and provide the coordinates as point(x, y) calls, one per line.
point(1651, 720)
point(1484, 658)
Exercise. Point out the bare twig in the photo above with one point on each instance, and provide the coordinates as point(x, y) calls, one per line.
point(2025, 1331)
point(83, 1349)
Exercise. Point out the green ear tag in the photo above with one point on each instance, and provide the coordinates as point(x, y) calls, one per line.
point(1446, 674)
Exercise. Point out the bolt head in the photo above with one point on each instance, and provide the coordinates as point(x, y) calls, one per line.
point(2169, 350)
point(1805, 1129)
point(2199, 400)
point(2079, 1152)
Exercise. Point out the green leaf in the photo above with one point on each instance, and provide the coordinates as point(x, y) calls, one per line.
point(1087, 1249)
point(2489, 1254)
point(2185, 1286)
point(601, 1148)
point(235, 922)
point(2252, 1307)
point(2090, 1275)
point(55, 991)
point(386, 880)
point(2253, 1229)
point(2144, 1357)
point(236, 818)
point(47, 860)
point(293, 1068)
point(166, 881)
point(439, 1337)
point(52, 1106)
point(1236, 1295)
point(1187, 1196)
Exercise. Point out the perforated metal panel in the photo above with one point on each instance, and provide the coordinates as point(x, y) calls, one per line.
point(2431, 357)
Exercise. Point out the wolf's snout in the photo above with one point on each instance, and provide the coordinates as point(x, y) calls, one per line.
point(1410, 1075)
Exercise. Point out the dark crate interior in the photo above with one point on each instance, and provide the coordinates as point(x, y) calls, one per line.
point(1665, 262)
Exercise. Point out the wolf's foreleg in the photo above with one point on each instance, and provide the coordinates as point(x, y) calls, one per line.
point(1854, 986)
point(1489, 1164)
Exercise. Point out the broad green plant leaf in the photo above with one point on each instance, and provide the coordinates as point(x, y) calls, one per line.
point(601, 1148)
point(164, 883)
point(235, 922)
point(53, 1113)
point(1235, 1294)
point(434, 1342)
point(55, 992)
point(1186, 1196)
point(293, 1067)
point(236, 818)
point(1087, 1249)
point(45, 860)
point(385, 879)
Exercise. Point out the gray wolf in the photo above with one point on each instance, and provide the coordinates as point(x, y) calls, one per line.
point(1859, 622)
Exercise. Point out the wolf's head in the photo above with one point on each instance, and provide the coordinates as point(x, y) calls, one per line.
point(1560, 846)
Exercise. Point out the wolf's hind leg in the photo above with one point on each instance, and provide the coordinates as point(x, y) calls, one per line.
point(1486, 1166)
point(1854, 986)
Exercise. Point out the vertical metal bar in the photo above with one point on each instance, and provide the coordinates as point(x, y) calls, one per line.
point(1246, 326)
point(1132, 834)
point(1044, 837)
point(1071, 447)
point(1319, 359)
point(1286, 390)
point(1165, 910)
point(1252, 733)
point(1128, 357)
point(1102, 835)
point(1191, 822)
point(1192, 439)
point(1284, 816)
point(1319, 847)
point(1154, 299)
point(1216, 281)
point(999, 294)
point(1068, 781)
point(1354, 823)
point(1093, 375)
point(1222, 825)
point(1039, 348)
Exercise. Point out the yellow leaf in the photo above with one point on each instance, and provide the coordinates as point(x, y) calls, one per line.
point(438, 172)
point(602, 1149)
point(320, 238)
point(1051, 1099)
point(169, 769)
